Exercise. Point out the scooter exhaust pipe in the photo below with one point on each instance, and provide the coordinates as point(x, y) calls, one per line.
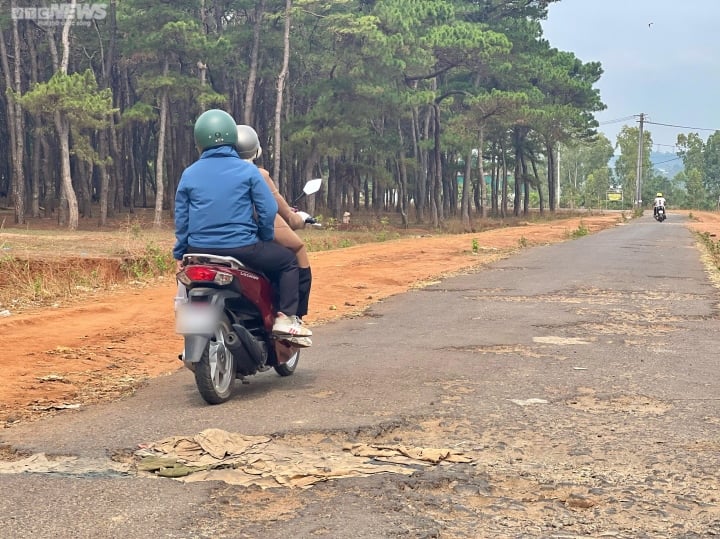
point(241, 341)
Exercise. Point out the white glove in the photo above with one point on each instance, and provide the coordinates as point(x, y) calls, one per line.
point(305, 216)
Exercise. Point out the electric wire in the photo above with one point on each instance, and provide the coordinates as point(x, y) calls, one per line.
point(618, 120)
point(681, 126)
point(661, 162)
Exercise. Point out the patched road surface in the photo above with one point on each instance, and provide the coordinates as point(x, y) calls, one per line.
point(571, 390)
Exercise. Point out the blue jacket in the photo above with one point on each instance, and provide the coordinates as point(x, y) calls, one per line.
point(222, 202)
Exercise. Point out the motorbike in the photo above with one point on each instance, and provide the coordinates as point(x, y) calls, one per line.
point(225, 312)
point(660, 214)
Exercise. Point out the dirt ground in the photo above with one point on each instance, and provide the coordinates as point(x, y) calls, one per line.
point(111, 343)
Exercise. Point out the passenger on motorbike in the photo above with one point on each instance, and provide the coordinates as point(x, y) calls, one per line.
point(659, 203)
point(287, 220)
point(223, 206)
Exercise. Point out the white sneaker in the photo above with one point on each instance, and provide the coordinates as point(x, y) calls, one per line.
point(290, 325)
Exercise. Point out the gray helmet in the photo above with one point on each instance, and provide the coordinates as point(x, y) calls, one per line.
point(213, 128)
point(248, 143)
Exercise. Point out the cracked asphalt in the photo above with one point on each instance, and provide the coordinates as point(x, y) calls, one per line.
point(581, 379)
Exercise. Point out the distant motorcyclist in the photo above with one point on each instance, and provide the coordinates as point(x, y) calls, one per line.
point(658, 203)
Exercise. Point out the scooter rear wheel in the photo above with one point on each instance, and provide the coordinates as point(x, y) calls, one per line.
point(215, 372)
point(288, 368)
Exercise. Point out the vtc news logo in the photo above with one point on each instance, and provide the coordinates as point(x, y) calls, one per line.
point(59, 13)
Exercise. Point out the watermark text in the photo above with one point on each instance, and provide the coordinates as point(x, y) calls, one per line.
point(58, 14)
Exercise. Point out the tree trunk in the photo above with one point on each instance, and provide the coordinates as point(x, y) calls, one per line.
point(280, 91)
point(402, 179)
point(38, 136)
point(160, 163)
point(437, 170)
point(465, 199)
point(85, 171)
point(552, 178)
point(63, 130)
point(252, 75)
point(425, 166)
point(104, 136)
point(49, 198)
point(104, 178)
point(481, 172)
point(420, 177)
point(19, 184)
point(526, 185)
point(517, 200)
point(15, 121)
point(504, 184)
point(539, 184)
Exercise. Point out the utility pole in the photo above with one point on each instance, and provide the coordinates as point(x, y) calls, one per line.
point(638, 173)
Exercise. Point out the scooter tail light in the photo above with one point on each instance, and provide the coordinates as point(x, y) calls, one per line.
point(194, 274)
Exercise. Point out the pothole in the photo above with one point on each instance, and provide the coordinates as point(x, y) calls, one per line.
point(498, 349)
point(291, 461)
point(625, 404)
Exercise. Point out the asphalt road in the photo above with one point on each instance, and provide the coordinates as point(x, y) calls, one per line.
point(579, 378)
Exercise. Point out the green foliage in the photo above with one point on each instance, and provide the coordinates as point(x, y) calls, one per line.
point(154, 262)
point(626, 163)
point(76, 95)
point(365, 80)
point(711, 163)
point(702, 169)
point(691, 148)
point(580, 231)
point(475, 246)
point(585, 175)
point(139, 112)
point(77, 98)
point(696, 194)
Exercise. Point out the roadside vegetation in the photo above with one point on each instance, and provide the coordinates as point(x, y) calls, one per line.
point(712, 248)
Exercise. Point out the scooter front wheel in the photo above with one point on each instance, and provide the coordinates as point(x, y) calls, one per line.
point(288, 368)
point(215, 372)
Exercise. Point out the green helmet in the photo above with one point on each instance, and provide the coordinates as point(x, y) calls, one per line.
point(213, 128)
point(248, 143)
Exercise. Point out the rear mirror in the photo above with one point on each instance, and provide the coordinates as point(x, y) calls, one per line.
point(313, 186)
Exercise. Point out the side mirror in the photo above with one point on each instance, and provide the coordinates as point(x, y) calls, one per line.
point(313, 186)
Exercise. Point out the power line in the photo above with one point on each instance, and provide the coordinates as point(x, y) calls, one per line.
point(618, 120)
point(682, 126)
point(626, 118)
point(667, 161)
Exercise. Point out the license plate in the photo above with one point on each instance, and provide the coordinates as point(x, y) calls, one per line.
point(197, 319)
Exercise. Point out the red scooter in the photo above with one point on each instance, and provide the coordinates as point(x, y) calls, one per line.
point(226, 314)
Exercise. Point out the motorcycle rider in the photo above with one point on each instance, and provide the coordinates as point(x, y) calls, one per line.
point(287, 220)
point(223, 206)
point(659, 202)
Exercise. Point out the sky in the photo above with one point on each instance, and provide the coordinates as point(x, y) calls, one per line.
point(660, 58)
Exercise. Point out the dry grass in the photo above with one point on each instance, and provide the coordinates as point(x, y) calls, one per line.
point(41, 265)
